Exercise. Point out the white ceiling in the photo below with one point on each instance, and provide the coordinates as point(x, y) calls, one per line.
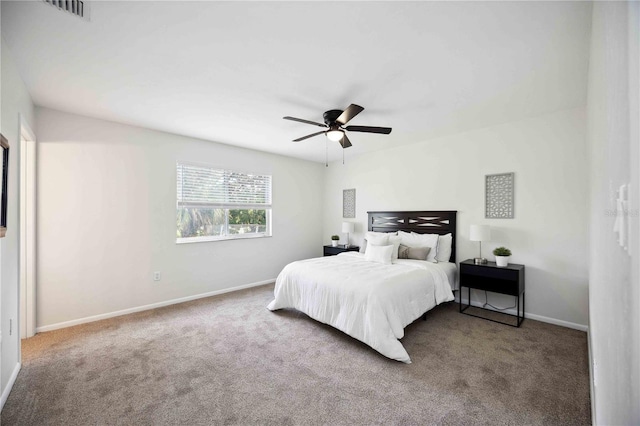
point(229, 71)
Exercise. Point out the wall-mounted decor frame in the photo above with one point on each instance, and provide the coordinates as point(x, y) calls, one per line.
point(498, 196)
point(4, 144)
point(349, 203)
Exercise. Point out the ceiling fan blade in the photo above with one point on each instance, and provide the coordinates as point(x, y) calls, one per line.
point(345, 142)
point(304, 121)
point(308, 136)
point(369, 129)
point(351, 111)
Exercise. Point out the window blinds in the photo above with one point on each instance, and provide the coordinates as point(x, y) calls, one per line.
point(206, 187)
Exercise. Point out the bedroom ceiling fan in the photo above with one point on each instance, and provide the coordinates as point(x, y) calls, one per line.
point(335, 121)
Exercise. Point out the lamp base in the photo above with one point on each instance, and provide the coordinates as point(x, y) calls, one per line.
point(479, 260)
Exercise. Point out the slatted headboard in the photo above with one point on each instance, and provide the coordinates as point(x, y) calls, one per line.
point(424, 222)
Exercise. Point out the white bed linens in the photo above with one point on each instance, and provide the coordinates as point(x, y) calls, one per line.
point(369, 301)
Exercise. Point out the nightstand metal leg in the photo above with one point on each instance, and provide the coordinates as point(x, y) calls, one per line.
point(520, 316)
point(468, 300)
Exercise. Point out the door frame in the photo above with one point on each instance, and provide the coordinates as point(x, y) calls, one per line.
point(27, 216)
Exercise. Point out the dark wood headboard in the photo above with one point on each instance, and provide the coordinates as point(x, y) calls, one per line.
point(424, 222)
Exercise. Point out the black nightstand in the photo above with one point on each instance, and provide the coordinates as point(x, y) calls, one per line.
point(489, 277)
point(332, 251)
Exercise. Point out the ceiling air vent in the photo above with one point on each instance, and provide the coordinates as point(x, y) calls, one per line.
point(75, 7)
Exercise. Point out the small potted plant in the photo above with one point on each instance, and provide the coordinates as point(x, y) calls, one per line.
point(334, 240)
point(502, 255)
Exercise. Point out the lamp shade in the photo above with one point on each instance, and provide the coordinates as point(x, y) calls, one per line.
point(348, 227)
point(480, 233)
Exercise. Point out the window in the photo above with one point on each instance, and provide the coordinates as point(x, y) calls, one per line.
point(214, 204)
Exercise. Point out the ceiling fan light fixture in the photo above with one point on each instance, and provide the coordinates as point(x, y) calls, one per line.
point(334, 120)
point(335, 135)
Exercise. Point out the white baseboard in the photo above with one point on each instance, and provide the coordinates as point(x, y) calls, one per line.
point(7, 390)
point(541, 318)
point(147, 307)
point(592, 380)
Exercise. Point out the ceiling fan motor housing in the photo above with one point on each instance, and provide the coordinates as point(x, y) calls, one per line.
point(331, 116)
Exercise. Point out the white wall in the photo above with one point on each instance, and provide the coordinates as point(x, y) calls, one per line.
point(614, 158)
point(549, 231)
point(15, 102)
point(107, 218)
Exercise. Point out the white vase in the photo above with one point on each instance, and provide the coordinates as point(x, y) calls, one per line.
point(334, 243)
point(502, 261)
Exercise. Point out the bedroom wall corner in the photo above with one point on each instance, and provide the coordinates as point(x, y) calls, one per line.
point(549, 231)
point(107, 219)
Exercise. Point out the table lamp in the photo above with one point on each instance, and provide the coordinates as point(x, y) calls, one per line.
point(347, 228)
point(480, 233)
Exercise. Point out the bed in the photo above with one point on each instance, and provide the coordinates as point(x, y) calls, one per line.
point(370, 301)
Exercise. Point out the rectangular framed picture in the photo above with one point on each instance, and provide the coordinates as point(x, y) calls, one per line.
point(4, 144)
point(349, 203)
point(498, 196)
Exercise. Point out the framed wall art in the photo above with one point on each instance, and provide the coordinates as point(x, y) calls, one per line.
point(4, 144)
point(349, 203)
point(498, 196)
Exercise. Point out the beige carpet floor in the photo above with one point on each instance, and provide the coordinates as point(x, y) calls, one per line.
point(228, 360)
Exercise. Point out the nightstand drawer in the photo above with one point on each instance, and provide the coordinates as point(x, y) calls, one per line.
point(509, 287)
point(332, 251)
point(494, 273)
point(489, 277)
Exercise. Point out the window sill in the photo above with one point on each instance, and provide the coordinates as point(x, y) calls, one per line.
point(225, 238)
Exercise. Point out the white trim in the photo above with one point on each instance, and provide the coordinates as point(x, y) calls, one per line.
point(26, 129)
point(592, 383)
point(541, 318)
point(27, 214)
point(7, 390)
point(247, 236)
point(148, 307)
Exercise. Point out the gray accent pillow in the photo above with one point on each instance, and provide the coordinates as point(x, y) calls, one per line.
point(416, 253)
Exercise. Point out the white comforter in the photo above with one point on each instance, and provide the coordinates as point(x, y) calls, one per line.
point(369, 301)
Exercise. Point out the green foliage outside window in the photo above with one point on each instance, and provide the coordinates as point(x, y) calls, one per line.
point(203, 222)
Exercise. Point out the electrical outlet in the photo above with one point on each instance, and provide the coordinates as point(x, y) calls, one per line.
point(156, 276)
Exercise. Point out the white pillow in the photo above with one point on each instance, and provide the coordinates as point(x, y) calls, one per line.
point(377, 238)
point(405, 237)
point(379, 254)
point(421, 240)
point(395, 241)
point(428, 240)
point(380, 233)
point(444, 248)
